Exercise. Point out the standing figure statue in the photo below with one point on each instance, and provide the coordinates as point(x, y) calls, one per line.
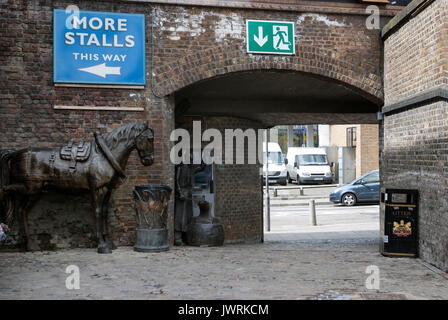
point(184, 203)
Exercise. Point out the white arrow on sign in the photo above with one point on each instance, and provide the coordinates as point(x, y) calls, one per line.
point(102, 70)
point(260, 40)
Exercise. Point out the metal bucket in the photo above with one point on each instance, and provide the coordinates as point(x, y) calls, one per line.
point(205, 230)
point(205, 234)
point(151, 203)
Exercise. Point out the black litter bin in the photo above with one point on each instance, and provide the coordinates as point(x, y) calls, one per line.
point(400, 237)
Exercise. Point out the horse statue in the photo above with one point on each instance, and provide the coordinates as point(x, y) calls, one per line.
point(93, 167)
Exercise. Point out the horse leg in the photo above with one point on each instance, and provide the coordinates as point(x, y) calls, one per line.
point(97, 201)
point(18, 212)
point(106, 227)
point(26, 197)
point(3, 206)
point(10, 189)
point(28, 205)
point(20, 190)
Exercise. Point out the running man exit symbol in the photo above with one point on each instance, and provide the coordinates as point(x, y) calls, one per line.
point(271, 37)
point(281, 38)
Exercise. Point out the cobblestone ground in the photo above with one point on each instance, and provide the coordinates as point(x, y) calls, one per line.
point(260, 271)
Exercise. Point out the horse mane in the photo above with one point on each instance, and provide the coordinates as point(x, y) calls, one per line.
point(127, 132)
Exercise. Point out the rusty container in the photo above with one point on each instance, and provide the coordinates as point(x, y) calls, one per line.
point(151, 203)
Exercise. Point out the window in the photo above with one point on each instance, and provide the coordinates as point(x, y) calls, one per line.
point(378, 1)
point(274, 157)
point(372, 178)
point(351, 137)
point(311, 159)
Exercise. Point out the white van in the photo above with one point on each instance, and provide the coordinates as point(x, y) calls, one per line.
point(308, 165)
point(276, 165)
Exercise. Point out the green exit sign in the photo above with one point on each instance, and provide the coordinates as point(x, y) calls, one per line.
point(272, 37)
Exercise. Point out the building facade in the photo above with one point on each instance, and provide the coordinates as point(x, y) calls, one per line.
point(364, 139)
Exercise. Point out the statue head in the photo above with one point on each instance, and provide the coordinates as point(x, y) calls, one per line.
point(144, 143)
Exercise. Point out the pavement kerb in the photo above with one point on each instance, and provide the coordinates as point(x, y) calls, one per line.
point(297, 198)
point(291, 187)
point(301, 203)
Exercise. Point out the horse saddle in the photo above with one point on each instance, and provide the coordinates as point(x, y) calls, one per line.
point(75, 152)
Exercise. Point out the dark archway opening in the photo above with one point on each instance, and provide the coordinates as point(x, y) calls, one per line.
point(273, 98)
point(258, 100)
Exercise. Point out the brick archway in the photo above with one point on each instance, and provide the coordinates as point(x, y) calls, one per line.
point(209, 63)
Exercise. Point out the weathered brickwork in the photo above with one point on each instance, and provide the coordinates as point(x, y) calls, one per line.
point(27, 97)
point(238, 187)
point(416, 55)
point(415, 152)
point(239, 197)
point(337, 47)
point(416, 157)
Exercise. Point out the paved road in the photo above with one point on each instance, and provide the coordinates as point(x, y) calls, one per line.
point(334, 222)
point(259, 271)
point(298, 261)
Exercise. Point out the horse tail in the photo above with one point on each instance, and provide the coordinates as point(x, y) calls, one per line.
point(6, 200)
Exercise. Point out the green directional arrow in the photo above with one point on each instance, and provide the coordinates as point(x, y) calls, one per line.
point(272, 37)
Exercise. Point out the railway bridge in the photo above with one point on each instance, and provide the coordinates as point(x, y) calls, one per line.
point(198, 67)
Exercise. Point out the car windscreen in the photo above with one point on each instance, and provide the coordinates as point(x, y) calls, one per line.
point(312, 159)
point(274, 157)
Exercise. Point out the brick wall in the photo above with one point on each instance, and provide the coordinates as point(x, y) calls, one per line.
point(367, 149)
point(238, 187)
point(27, 97)
point(416, 55)
point(239, 197)
point(330, 45)
point(416, 157)
point(415, 152)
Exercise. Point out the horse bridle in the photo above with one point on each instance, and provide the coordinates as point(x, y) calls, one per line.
point(109, 156)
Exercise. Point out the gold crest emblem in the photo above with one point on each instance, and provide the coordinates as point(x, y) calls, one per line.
point(401, 229)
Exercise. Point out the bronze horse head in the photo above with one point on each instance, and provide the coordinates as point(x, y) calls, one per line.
point(144, 144)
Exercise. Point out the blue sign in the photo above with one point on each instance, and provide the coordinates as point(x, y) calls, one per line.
point(99, 47)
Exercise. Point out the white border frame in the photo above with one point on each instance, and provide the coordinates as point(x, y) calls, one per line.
point(276, 53)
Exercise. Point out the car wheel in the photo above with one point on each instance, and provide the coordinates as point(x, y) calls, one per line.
point(349, 199)
point(288, 178)
point(298, 179)
point(284, 182)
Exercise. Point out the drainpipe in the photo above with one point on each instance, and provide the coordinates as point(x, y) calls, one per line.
point(267, 204)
